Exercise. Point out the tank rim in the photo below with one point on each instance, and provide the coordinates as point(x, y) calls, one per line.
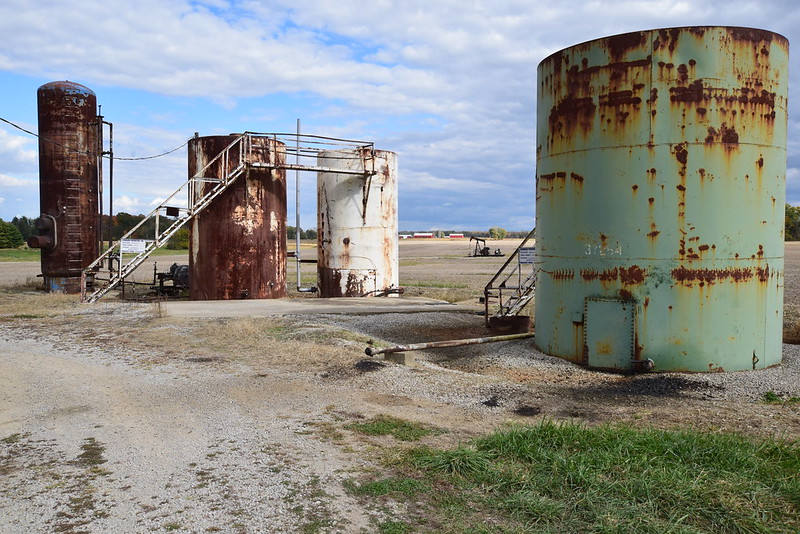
point(65, 84)
point(651, 30)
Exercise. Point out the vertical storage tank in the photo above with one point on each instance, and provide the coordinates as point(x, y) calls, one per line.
point(660, 190)
point(237, 245)
point(357, 239)
point(69, 230)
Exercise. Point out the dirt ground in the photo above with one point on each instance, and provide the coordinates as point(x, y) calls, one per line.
point(118, 417)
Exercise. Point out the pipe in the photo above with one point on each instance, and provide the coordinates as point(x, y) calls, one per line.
point(449, 343)
point(297, 207)
point(298, 260)
point(99, 155)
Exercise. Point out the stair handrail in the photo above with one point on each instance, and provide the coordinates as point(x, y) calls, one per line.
point(491, 285)
point(193, 207)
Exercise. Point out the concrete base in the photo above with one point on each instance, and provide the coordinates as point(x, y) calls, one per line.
point(403, 358)
point(516, 324)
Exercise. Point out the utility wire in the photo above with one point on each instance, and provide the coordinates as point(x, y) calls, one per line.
point(302, 151)
point(89, 152)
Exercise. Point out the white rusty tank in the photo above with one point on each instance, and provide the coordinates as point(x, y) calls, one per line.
point(357, 239)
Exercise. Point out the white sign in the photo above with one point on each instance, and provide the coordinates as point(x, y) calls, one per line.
point(527, 255)
point(132, 246)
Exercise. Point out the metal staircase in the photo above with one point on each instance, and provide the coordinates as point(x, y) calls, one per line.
point(512, 288)
point(242, 154)
point(233, 162)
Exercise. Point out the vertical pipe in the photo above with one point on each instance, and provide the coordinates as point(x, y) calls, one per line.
point(297, 207)
point(99, 150)
point(110, 181)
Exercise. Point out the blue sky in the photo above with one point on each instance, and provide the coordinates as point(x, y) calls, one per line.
point(450, 85)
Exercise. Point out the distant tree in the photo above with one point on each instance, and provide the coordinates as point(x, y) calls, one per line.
point(495, 232)
point(26, 226)
point(309, 234)
point(792, 223)
point(10, 236)
point(124, 223)
point(291, 232)
point(179, 240)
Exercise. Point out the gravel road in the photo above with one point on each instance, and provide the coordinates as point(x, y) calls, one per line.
point(116, 418)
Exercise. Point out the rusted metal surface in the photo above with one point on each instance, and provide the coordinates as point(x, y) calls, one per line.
point(661, 161)
point(357, 232)
point(68, 185)
point(237, 245)
point(369, 351)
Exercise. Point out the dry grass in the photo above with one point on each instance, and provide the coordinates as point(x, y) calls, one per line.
point(24, 301)
point(255, 341)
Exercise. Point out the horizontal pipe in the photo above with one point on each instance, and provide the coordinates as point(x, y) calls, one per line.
point(449, 343)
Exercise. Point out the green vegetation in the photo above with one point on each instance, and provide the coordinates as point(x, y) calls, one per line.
point(19, 254)
point(383, 425)
point(495, 232)
point(792, 223)
point(566, 477)
point(10, 236)
point(770, 397)
point(388, 486)
point(436, 284)
point(25, 225)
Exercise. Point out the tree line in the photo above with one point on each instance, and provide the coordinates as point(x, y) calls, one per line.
point(13, 234)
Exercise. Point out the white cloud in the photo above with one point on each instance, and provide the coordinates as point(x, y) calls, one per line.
point(10, 181)
point(130, 205)
point(449, 85)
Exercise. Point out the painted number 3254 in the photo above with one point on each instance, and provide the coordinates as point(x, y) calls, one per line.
point(603, 250)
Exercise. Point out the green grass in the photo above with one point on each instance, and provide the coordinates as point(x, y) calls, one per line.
point(434, 284)
point(388, 486)
point(566, 477)
point(383, 425)
point(770, 397)
point(19, 254)
point(32, 254)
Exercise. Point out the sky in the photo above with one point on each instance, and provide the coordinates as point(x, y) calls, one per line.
point(449, 85)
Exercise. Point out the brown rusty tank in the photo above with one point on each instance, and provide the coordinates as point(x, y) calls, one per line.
point(357, 239)
point(69, 231)
point(237, 245)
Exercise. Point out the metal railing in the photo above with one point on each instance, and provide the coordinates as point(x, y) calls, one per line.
point(110, 269)
point(512, 288)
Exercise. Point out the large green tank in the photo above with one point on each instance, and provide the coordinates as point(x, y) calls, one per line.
point(660, 189)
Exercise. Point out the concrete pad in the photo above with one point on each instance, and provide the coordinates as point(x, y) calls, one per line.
point(299, 306)
point(403, 358)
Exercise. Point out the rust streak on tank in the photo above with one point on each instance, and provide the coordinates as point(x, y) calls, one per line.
point(710, 276)
point(694, 92)
point(620, 98)
point(681, 154)
point(619, 44)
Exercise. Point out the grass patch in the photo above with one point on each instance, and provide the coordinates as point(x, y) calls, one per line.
point(394, 527)
point(92, 454)
point(566, 477)
point(446, 294)
point(438, 284)
point(19, 254)
point(401, 429)
point(770, 397)
point(24, 302)
point(409, 487)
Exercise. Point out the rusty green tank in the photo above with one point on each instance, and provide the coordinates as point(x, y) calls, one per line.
point(660, 189)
